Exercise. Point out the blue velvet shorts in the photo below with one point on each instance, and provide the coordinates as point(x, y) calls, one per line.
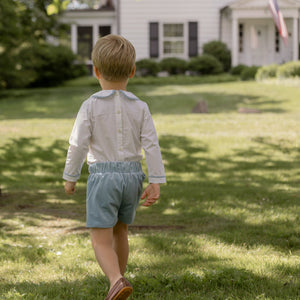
point(113, 193)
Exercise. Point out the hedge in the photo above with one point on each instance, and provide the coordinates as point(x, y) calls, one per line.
point(205, 65)
point(290, 69)
point(266, 72)
point(220, 51)
point(174, 65)
point(237, 70)
point(249, 73)
point(44, 65)
point(147, 67)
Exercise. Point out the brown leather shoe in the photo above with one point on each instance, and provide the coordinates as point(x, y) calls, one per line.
point(120, 291)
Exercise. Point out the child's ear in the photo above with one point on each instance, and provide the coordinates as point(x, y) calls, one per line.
point(132, 72)
point(97, 73)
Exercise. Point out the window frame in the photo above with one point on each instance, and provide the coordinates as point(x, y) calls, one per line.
point(164, 39)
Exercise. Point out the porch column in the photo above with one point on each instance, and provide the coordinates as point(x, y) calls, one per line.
point(235, 40)
point(74, 38)
point(95, 33)
point(295, 40)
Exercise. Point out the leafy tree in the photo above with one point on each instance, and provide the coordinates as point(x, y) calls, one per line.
point(57, 6)
point(11, 33)
point(24, 24)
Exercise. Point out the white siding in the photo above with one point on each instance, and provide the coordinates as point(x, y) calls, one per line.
point(226, 29)
point(136, 14)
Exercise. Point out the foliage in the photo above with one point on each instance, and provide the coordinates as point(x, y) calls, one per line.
point(49, 65)
point(249, 73)
point(23, 24)
point(290, 69)
point(266, 72)
point(205, 65)
point(220, 51)
point(147, 67)
point(173, 65)
point(10, 34)
point(237, 70)
point(151, 80)
point(57, 6)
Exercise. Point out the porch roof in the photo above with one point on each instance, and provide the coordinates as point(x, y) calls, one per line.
point(258, 9)
point(248, 4)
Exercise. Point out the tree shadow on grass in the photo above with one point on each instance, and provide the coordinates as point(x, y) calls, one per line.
point(32, 174)
point(31, 182)
point(196, 204)
point(215, 283)
point(220, 194)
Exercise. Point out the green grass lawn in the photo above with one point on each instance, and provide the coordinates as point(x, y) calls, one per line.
point(227, 225)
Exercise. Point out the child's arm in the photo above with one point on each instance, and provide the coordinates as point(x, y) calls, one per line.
point(79, 145)
point(151, 193)
point(149, 141)
point(156, 172)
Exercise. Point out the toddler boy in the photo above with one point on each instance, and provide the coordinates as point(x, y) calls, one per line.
point(111, 128)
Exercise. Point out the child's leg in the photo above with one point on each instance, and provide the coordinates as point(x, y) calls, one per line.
point(120, 244)
point(102, 241)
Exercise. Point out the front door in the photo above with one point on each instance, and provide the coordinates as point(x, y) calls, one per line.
point(258, 45)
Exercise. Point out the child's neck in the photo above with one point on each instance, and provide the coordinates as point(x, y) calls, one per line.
point(113, 85)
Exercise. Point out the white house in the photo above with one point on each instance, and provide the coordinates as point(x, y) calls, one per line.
point(177, 28)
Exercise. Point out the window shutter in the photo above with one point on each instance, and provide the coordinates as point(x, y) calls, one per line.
point(193, 39)
point(154, 47)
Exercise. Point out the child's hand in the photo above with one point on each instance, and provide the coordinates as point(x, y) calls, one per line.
point(70, 187)
point(151, 193)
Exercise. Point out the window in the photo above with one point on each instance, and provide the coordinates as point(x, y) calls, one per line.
point(241, 38)
point(104, 30)
point(277, 40)
point(85, 41)
point(173, 39)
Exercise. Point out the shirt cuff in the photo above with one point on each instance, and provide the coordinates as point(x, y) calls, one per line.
point(72, 178)
point(157, 179)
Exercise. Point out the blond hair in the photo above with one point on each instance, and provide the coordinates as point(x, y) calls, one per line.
point(114, 57)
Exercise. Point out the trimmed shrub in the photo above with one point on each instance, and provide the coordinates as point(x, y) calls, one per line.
point(266, 72)
point(44, 65)
point(206, 65)
point(50, 65)
point(173, 65)
point(147, 67)
point(290, 69)
point(220, 51)
point(249, 73)
point(237, 70)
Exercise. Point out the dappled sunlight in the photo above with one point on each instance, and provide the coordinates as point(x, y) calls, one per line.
point(227, 219)
point(170, 211)
point(205, 258)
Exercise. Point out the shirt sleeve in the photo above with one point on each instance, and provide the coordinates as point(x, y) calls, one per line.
point(79, 145)
point(149, 141)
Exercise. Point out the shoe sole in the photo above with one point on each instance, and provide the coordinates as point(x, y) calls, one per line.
point(124, 293)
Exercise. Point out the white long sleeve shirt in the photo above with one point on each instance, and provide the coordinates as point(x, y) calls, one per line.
point(114, 126)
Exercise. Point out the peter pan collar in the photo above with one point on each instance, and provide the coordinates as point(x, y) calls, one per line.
point(108, 93)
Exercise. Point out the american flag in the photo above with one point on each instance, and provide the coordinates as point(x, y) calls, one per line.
point(279, 21)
